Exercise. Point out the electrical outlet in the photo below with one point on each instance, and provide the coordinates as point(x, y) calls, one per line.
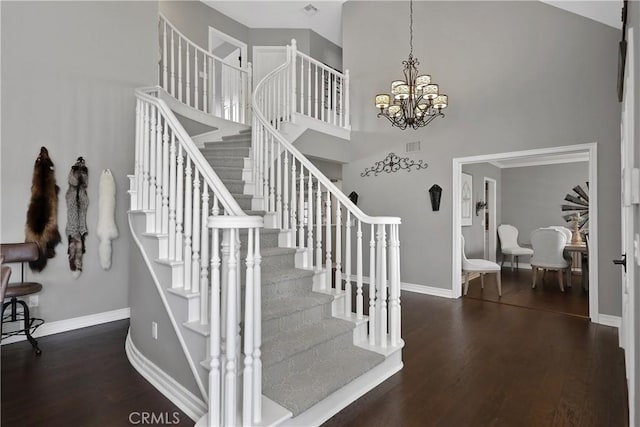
point(154, 330)
point(33, 301)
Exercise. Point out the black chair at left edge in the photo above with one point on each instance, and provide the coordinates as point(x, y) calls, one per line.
point(20, 253)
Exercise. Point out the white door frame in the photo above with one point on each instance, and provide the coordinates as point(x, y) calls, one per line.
point(226, 37)
point(628, 234)
point(592, 149)
point(492, 206)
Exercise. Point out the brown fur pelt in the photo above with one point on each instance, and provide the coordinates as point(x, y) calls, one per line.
point(42, 215)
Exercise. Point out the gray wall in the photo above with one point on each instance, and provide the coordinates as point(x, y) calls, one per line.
point(474, 234)
point(325, 51)
point(68, 83)
point(519, 75)
point(532, 196)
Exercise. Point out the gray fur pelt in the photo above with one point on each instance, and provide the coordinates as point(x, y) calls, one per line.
point(77, 203)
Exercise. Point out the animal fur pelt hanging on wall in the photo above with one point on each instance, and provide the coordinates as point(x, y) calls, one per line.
point(107, 229)
point(77, 203)
point(42, 215)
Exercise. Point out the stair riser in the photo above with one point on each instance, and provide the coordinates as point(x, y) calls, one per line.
point(229, 162)
point(234, 187)
point(245, 204)
point(229, 173)
point(295, 320)
point(298, 362)
point(228, 144)
point(277, 262)
point(267, 240)
point(283, 288)
point(237, 137)
point(226, 152)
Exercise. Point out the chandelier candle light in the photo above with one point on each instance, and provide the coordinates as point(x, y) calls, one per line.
point(416, 100)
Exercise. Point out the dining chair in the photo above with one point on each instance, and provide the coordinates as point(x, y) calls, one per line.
point(481, 266)
point(548, 247)
point(508, 235)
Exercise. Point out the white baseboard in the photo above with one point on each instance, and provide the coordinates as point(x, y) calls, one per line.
point(609, 320)
point(420, 289)
point(188, 403)
point(427, 290)
point(50, 328)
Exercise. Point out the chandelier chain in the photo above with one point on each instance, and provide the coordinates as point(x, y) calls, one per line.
point(411, 27)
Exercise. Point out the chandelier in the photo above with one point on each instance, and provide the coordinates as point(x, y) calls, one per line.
point(416, 100)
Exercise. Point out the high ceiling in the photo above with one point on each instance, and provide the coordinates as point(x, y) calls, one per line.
point(327, 20)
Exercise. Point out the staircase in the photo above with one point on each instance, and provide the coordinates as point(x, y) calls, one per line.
point(250, 247)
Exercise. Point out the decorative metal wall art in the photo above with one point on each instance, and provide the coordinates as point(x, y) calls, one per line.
point(394, 163)
point(579, 210)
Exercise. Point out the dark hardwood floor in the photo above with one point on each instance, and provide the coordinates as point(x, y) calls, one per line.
point(516, 290)
point(467, 363)
point(82, 378)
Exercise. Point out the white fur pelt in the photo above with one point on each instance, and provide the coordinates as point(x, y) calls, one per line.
point(107, 229)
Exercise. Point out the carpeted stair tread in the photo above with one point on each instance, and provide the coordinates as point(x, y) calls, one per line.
point(272, 309)
point(267, 252)
point(274, 277)
point(251, 212)
point(285, 344)
point(238, 196)
point(303, 389)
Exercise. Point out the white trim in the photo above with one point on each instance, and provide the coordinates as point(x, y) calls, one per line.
point(592, 149)
point(413, 287)
point(536, 161)
point(426, 290)
point(50, 328)
point(188, 403)
point(493, 219)
point(231, 40)
point(609, 320)
point(338, 400)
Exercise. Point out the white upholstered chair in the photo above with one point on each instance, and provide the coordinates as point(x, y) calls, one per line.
point(568, 234)
point(548, 246)
point(509, 244)
point(481, 266)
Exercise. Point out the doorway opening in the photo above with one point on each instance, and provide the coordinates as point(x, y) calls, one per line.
point(232, 51)
point(585, 153)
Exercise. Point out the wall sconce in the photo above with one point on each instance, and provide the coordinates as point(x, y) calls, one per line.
point(479, 206)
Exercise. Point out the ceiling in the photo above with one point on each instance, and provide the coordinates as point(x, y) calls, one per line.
point(327, 20)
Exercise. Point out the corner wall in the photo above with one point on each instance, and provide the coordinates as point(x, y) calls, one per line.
point(69, 70)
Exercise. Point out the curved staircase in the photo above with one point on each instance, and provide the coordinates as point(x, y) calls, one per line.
point(251, 248)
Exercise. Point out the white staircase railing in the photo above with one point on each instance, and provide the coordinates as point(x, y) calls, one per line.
point(320, 92)
point(202, 80)
point(186, 204)
point(321, 220)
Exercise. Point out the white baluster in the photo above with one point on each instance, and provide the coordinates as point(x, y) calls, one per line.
point(179, 204)
point(145, 158)
point(393, 285)
point(257, 340)
point(196, 70)
point(215, 395)
point(359, 302)
point(139, 154)
point(372, 287)
point(195, 234)
point(334, 98)
point(249, 324)
point(172, 88)
point(232, 330)
point(294, 203)
point(152, 168)
point(165, 179)
point(278, 185)
point(205, 84)
point(309, 220)
point(188, 75)
point(316, 112)
point(172, 198)
point(294, 82)
point(338, 250)
point(398, 283)
point(215, 209)
point(309, 88)
point(322, 91)
point(188, 207)
point(382, 283)
point(318, 229)
point(340, 112)
point(265, 169)
point(180, 69)
point(204, 255)
point(215, 98)
point(285, 194)
point(159, 172)
point(328, 263)
point(272, 180)
point(301, 104)
point(347, 120)
point(165, 84)
point(347, 267)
